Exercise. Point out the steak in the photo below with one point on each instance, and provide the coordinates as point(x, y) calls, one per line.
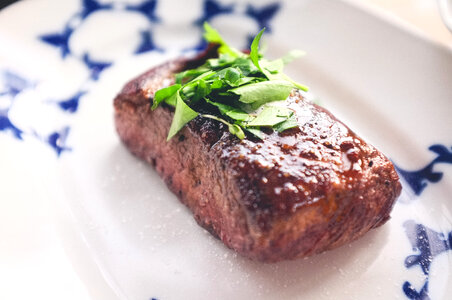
point(292, 194)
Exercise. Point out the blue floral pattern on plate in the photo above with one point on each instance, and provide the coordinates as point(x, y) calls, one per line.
point(429, 245)
point(427, 242)
point(13, 85)
point(423, 239)
point(60, 39)
point(418, 179)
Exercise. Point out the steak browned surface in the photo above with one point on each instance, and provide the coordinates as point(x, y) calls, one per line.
point(290, 195)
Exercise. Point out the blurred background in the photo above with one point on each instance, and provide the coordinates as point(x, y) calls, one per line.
point(423, 15)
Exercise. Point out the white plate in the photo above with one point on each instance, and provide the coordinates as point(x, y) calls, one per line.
point(61, 69)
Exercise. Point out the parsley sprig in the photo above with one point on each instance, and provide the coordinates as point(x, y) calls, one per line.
point(235, 87)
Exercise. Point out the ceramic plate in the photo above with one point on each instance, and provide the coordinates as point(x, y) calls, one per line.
point(62, 63)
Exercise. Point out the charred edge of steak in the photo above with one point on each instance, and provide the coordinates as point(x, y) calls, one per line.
point(291, 195)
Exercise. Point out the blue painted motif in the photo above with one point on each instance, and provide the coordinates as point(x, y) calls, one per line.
point(61, 38)
point(57, 140)
point(6, 124)
point(413, 294)
point(147, 8)
point(429, 244)
point(13, 85)
point(147, 43)
point(71, 105)
point(96, 67)
point(91, 6)
point(211, 9)
point(418, 179)
point(262, 15)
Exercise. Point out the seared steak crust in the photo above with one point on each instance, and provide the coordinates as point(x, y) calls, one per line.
point(291, 195)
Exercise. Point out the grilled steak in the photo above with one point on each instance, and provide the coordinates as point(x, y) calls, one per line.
point(290, 195)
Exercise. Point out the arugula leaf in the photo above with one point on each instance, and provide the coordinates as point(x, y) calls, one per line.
point(296, 84)
point(188, 75)
point(281, 76)
point(238, 114)
point(224, 60)
point(202, 90)
point(164, 94)
point(237, 131)
point(271, 116)
point(206, 75)
point(182, 115)
point(275, 66)
point(195, 90)
point(293, 54)
point(232, 76)
point(291, 122)
point(236, 84)
point(254, 54)
point(233, 128)
point(212, 36)
point(246, 66)
point(216, 84)
point(246, 80)
point(171, 100)
point(264, 91)
point(255, 131)
point(231, 112)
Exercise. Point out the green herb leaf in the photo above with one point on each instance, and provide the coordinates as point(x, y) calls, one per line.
point(206, 76)
point(223, 61)
point(264, 91)
point(256, 132)
point(233, 128)
point(171, 100)
point(212, 36)
point(270, 116)
point(296, 84)
point(188, 75)
point(246, 80)
point(246, 66)
point(254, 54)
point(275, 66)
point(238, 114)
point(236, 84)
point(237, 131)
point(202, 90)
point(216, 84)
point(182, 115)
point(232, 76)
point(195, 90)
point(164, 94)
point(291, 122)
point(231, 112)
point(293, 54)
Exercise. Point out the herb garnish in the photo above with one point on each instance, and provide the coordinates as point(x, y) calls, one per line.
point(234, 86)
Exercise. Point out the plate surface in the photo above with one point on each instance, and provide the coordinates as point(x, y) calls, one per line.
point(61, 69)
